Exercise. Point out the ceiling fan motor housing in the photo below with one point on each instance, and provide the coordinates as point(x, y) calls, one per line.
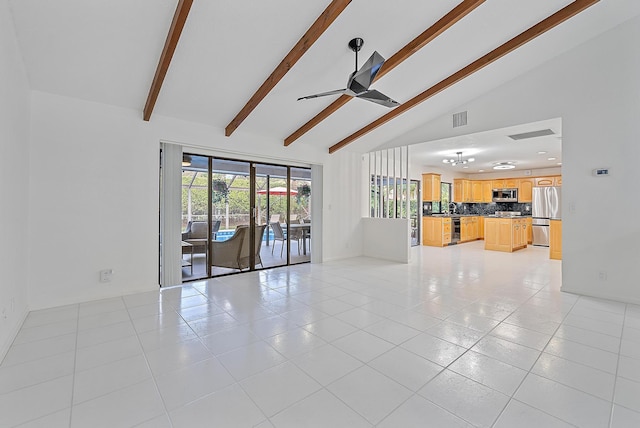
point(356, 44)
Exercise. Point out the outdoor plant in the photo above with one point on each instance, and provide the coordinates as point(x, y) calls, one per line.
point(304, 191)
point(219, 190)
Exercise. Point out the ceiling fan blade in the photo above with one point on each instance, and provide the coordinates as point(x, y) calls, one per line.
point(378, 98)
point(324, 94)
point(363, 78)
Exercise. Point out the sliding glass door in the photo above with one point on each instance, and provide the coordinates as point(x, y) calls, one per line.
point(241, 216)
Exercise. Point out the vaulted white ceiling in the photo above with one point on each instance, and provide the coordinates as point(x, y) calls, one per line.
point(107, 51)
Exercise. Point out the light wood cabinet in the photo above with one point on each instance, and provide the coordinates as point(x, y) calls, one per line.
point(474, 228)
point(487, 192)
point(436, 231)
point(543, 181)
point(477, 192)
point(504, 234)
point(465, 229)
point(529, 223)
point(480, 227)
point(461, 190)
point(497, 184)
point(510, 183)
point(469, 229)
point(525, 190)
point(557, 181)
point(430, 187)
point(555, 240)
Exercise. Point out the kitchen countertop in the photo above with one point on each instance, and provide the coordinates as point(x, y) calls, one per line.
point(476, 215)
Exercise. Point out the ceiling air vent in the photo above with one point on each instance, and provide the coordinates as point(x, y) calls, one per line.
point(459, 119)
point(532, 134)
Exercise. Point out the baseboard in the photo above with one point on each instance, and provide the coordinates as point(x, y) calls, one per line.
point(600, 295)
point(83, 299)
point(12, 334)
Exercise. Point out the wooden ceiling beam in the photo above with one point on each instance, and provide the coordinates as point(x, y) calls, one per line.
point(179, 19)
point(540, 28)
point(444, 23)
point(308, 39)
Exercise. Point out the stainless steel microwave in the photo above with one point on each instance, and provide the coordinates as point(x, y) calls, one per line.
point(505, 195)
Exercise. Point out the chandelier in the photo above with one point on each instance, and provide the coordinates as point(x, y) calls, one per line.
point(458, 161)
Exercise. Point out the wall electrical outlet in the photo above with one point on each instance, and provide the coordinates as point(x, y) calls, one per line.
point(106, 275)
point(602, 275)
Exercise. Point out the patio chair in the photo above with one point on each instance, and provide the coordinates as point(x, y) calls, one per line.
point(278, 235)
point(215, 228)
point(246, 248)
point(227, 253)
point(196, 235)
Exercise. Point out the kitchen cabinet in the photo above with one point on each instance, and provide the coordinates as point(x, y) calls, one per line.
point(519, 230)
point(436, 231)
point(480, 227)
point(544, 181)
point(468, 229)
point(510, 183)
point(477, 193)
point(529, 222)
point(430, 187)
point(465, 232)
point(461, 190)
point(487, 192)
point(497, 184)
point(475, 232)
point(555, 240)
point(557, 181)
point(504, 234)
point(525, 190)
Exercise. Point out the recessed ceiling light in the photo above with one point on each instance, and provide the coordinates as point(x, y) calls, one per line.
point(465, 167)
point(551, 158)
point(559, 163)
point(542, 153)
point(481, 170)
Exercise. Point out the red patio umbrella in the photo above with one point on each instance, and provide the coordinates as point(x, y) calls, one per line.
point(277, 191)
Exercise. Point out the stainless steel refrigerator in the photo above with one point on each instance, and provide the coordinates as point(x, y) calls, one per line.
point(545, 207)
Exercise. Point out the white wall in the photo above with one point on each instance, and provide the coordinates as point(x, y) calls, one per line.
point(387, 239)
point(343, 205)
point(596, 91)
point(94, 195)
point(14, 182)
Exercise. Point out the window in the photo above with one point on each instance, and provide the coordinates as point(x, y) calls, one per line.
point(445, 196)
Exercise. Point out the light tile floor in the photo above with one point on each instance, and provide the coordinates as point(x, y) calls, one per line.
point(460, 337)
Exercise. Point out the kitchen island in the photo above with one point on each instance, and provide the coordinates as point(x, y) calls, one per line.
point(506, 234)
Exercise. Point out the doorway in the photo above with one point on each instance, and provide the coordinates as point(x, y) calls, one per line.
point(240, 216)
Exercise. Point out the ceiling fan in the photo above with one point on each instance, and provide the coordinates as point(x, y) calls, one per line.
point(360, 80)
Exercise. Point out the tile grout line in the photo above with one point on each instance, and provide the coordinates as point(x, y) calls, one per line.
point(533, 365)
point(615, 379)
point(75, 361)
point(146, 361)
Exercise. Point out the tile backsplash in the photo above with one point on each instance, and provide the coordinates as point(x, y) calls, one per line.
point(484, 209)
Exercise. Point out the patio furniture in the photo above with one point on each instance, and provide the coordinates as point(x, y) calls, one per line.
point(196, 234)
point(226, 254)
point(189, 248)
point(246, 248)
point(234, 253)
point(301, 231)
point(278, 235)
